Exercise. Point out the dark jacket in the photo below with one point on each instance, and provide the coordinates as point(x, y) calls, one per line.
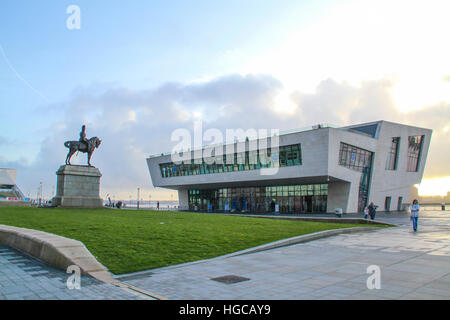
point(372, 210)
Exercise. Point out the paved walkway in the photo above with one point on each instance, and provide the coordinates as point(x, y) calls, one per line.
point(412, 266)
point(25, 278)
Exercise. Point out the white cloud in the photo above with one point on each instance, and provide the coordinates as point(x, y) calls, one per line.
point(404, 41)
point(136, 123)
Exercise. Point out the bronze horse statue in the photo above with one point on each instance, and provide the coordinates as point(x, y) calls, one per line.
point(88, 148)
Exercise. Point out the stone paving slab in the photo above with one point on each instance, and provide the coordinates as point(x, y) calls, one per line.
point(42, 282)
point(412, 265)
point(61, 252)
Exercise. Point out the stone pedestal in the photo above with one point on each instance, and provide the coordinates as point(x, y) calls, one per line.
point(78, 187)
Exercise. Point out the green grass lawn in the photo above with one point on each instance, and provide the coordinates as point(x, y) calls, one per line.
point(131, 240)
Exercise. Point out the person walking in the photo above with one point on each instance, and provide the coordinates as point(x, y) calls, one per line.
point(372, 211)
point(272, 206)
point(414, 208)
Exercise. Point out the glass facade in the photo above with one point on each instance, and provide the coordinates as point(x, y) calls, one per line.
point(290, 155)
point(414, 151)
point(359, 160)
point(288, 199)
point(354, 158)
point(10, 191)
point(391, 162)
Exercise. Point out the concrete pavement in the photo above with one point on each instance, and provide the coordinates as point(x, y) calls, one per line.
point(412, 266)
point(25, 278)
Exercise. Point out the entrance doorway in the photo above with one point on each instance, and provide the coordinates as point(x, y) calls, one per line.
point(400, 204)
point(308, 202)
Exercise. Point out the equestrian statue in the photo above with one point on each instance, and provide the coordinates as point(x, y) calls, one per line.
point(83, 145)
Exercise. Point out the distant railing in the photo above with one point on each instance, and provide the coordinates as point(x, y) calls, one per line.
point(282, 133)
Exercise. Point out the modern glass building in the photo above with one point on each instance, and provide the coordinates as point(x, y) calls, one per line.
point(313, 170)
point(9, 191)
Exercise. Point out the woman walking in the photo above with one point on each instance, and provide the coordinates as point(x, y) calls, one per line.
point(414, 208)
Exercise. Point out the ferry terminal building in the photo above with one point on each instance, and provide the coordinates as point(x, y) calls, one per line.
point(319, 169)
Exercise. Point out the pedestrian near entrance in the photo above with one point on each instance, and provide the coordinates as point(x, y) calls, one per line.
point(372, 211)
point(414, 208)
point(366, 212)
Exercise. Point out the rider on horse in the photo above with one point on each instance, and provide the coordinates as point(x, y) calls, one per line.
point(83, 139)
point(83, 145)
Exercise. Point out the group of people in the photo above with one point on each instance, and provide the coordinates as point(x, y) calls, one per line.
point(370, 210)
point(121, 205)
point(414, 209)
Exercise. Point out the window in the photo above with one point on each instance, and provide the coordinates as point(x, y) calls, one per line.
point(414, 152)
point(290, 155)
point(387, 204)
point(360, 160)
point(391, 163)
point(258, 199)
point(9, 191)
point(400, 204)
point(354, 158)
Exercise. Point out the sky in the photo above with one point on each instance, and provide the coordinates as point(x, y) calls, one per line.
point(136, 71)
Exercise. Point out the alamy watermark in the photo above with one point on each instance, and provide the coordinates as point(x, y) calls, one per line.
point(374, 280)
point(261, 146)
point(74, 281)
point(73, 22)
